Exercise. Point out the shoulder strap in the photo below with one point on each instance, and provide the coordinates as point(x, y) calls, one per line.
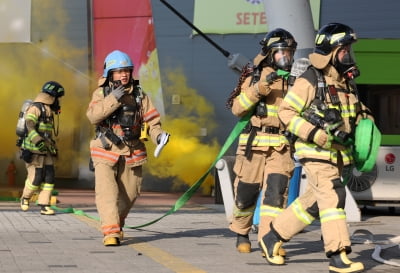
point(42, 109)
point(316, 78)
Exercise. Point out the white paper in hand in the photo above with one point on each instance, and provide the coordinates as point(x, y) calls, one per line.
point(163, 141)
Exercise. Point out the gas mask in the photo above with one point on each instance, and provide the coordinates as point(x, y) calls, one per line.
point(126, 118)
point(345, 63)
point(286, 59)
point(55, 107)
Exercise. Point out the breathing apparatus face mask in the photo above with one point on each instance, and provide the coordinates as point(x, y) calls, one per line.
point(55, 107)
point(126, 118)
point(345, 62)
point(283, 58)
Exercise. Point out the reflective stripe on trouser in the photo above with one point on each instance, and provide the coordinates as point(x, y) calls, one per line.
point(242, 220)
point(267, 215)
point(44, 194)
point(116, 191)
point(320, 189)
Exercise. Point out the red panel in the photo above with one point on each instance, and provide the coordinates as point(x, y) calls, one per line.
point(133, 34)
point(121, 8)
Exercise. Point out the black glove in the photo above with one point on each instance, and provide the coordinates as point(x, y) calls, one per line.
point(41, 146)
point(118, 92)
point(271, 77)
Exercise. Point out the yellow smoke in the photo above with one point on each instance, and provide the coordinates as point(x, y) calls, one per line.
point(26, 67)
point(188, 155)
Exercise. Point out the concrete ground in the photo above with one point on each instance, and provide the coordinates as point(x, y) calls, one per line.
point(196, 238)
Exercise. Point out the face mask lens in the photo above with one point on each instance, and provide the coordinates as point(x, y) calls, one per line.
point(283, 58)
point(346, 56)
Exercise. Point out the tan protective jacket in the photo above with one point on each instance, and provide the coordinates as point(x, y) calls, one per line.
point(102, 107)
point(300, 97)
point(247, 100)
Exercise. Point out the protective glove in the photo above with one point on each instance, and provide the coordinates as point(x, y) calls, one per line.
point(339, 136)
point(323, 139)
point(162, 140)
point(41, 146)
point(53, 151)
point(118, 92)
point(282, 73)
point(271, 77)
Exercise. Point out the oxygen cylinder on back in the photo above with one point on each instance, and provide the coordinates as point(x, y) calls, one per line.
point(20, 130)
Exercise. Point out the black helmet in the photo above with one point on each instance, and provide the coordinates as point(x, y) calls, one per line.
point(53, 88)
point(274, 40)
point(331, 36)
point(277, 38)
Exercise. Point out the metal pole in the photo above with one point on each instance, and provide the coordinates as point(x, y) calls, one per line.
point(223, 51)
point(235, 61)
point(294, 16)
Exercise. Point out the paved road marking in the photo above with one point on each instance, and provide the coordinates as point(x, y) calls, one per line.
point(158, 255)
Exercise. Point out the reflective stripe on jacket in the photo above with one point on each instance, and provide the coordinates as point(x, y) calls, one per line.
point(247, 101)
point(299, 98)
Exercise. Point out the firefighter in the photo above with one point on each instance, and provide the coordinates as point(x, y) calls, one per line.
point(39, 149)
point(120, 109)
point(263, 158)
point(322, 110)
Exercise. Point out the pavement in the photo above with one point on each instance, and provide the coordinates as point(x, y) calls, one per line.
point(194, 239)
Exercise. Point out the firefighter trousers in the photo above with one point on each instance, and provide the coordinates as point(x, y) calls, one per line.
point(324, 197)
point(117, 188)
point(251, 177)
point(40, 178)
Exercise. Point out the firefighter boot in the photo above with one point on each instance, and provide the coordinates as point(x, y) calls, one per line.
point(281, 252)
point(339, 262)
point(270, 245)
point(24, 203)
point(243, 243)
point(111, 241)
point(46, 210)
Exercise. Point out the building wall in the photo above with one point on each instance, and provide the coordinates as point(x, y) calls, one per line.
point(204, 66)
point(370, 19)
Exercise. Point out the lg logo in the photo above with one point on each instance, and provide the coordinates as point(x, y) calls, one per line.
point(390, 159)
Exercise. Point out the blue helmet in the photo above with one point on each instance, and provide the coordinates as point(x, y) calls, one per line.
point(116, 60)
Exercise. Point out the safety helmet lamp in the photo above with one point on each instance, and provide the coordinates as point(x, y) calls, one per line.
point(333, 35)
point(116, 60)
point(54, 89)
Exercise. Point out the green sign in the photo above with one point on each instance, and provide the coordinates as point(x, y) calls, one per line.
point(232, 16)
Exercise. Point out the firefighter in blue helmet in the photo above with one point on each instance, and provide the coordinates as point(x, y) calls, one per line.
point(39, 147)
point(123, 115)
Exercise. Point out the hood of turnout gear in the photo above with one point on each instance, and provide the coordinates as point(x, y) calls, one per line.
point(45, 98)
point(319, 61)
point(258, 59)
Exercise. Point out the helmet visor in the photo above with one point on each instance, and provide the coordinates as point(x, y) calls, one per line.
point(345, 55)
point(283, 57)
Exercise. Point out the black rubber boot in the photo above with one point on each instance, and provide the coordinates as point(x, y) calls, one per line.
point(243, 244)
point(270, 245)
point(339, 262)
